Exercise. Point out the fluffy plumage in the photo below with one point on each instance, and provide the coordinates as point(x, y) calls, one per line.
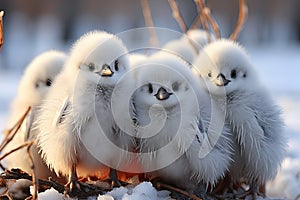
point(182, 48)
point(76, 127)
point(172, 116)
point(135, 59)
point(188, 45)
point(198, 38)
point(33, 87)
point(257, 127)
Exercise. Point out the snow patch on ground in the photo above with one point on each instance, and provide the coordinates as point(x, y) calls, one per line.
point(143, 191)
point(51, 194)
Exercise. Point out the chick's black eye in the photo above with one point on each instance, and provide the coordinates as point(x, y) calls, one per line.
point(150, 88)
point(233, 73)
point(175, 86)
point(116, 65)
point(209, 74)
point(91, 66)
point(48, 82)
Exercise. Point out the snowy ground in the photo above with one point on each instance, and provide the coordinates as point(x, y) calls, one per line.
point(280, 69)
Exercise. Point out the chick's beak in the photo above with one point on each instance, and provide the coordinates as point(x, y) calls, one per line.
point(221, 80)
point(162, 94)
point(106, 70)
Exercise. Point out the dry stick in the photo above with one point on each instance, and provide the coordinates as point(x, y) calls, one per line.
point(1, 29)
point(177, 15)
point(243, 13)
point(196, 23)
point(169, 187)
point(200, 7)
point(149, 22)
point(18, 174)
point(198, 20)
point(16, 149)
point(16, 127)
point(34, 179)
point(212, 22)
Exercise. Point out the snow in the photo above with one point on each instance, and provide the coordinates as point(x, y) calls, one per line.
point(50, 194)
point(144, 191)
point(279, 66)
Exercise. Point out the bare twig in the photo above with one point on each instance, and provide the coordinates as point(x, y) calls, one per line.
point(171, 188)
point(25, 144)
point(34, 179)
point(243, 13)
point(10, 134)
point(1, 29)
point(177, 15)
point(18, 174)
point(206, 17)
point(196, 23)
point(212, 22)
point(86, 190)
point(149, 22)
point(200, 7)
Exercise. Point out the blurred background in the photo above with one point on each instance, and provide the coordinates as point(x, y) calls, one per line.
point(271, 34)
point(33, 26)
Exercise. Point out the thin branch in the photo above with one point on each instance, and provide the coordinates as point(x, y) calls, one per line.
point(18, 174)
point(212, 22)
point(1, 29)
point(34, 176)
point(10, 134)
point(200, 8)
point(160, 185)
point(87, 190)
point(25, 144)
point(177, 15)
point(243, 13)
point(196, 23)
point(149, 22)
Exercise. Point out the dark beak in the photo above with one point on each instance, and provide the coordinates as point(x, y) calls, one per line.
point(221, 80)
point(106, 71)
point(162, 94)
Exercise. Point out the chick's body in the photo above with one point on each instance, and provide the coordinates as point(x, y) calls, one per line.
point(255, 121)
point(33, 87)
point(172, 117)
point(77, 131)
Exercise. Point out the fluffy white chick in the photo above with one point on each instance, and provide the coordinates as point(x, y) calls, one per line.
point(172, 116)
point(254, 118)
point(33, 87)
point(182, 48)
point(189, 45)
point(136, 59)
point(198, 38)
point(77, 131)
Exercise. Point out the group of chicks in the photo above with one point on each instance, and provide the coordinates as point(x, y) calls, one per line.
point(190, 113)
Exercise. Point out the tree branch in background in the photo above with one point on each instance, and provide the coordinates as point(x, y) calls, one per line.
point(212, 22)
point(10, 134)
point(200, 8)
point(149, 22)
point(197, 21)
point(1, 29)
point(177, 15)
point(243, 13)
